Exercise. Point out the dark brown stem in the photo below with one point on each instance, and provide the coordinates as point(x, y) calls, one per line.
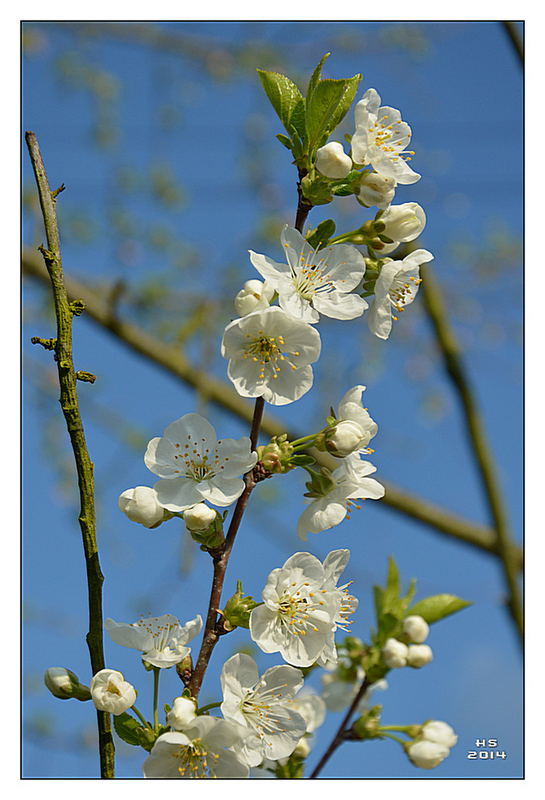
point(211, 631)
point(62, 345)
point(339, 736)
point(303, 205)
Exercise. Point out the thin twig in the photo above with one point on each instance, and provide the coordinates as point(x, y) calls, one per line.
point(476, 432)
point(62, 345)
point(339, 736)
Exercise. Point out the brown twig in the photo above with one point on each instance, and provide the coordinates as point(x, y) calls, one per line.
point(211, 632)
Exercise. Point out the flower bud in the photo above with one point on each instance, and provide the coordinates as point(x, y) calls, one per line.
point(342, 439)
point(140, 505)
point(416, 629)
point(395, 653)
point(332, 161)
point(199, 517)
point(205, 526)
point(64, 684)
point(184, 710)
point(321, 484)
point(439, 732)
point(275, 456)
point(426, 755)
point(254, 296)
point(376, 190)
point(403, 223)
point(419, 655)
point(111, 692)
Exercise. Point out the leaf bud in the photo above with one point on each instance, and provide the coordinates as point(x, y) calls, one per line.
point(237, 610)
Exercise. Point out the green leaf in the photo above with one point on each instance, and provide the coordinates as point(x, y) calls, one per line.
point(438, 606)
point(130, 729)
point(321, 108)
point(319, 238)
point(327, 107)
point(285, 140)
point(379, 601)
point(286, 99)
point(391, 593)
point(315, 78)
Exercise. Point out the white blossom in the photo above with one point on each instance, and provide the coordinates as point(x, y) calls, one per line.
point(161, 640)
point(254, 296)
point(376, 190)
point(314, 282)
point(395, 288)
point(427, 755)
point(355, 428)
point(439, 732)
point(416, 628)
point(194, 466)
point(203, 750)
point(334, 565)
point(394, 654)
point(111, 692)
point(419, 655)
point(140, 505)
point(270, 354)
point(264, 705)
point(332, 161)
point(339, 693)
point(381, 139)
point(298, 616)
point(350, 483)
point(182, 713)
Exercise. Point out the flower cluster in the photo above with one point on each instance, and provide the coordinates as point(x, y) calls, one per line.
point(271, 347)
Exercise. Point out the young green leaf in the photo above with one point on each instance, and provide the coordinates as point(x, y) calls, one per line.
point(320, 236)
point(130, 729)
point(286, 99)
point(327, 107)
point(438, 606)
point(315, 78)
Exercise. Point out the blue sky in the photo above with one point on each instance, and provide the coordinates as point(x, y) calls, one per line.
point(459, 86)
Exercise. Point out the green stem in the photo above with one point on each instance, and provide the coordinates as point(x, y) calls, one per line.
point(156, 672)
point(204, 709)
point(304, 439)
point(391, 736)
point(64, 313)
point(139, 715)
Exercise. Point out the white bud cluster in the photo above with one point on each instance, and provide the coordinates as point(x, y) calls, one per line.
point(432, 745)
point(397, 654)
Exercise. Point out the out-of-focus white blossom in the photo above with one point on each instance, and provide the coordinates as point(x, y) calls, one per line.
point(394, 654)
point(416, 628)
